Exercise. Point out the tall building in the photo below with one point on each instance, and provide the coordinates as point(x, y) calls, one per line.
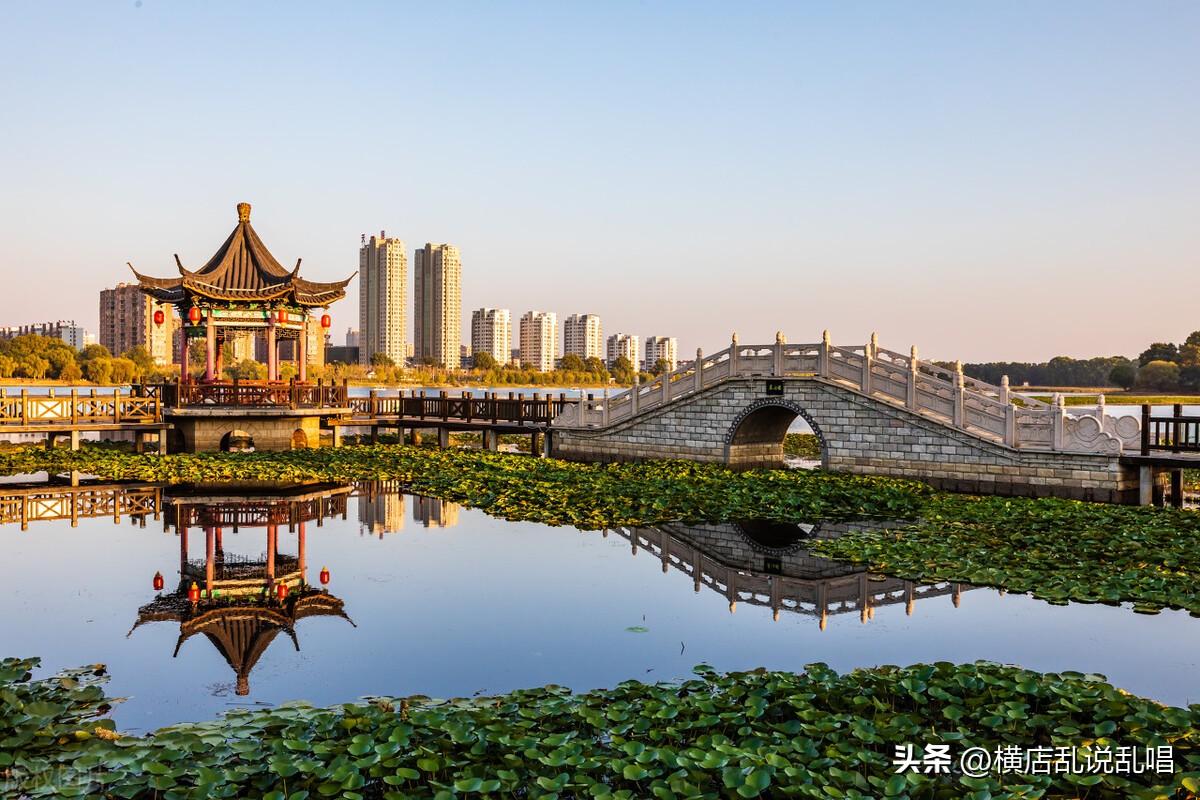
point(583, 336)
point(127, 321)
point(539, 340)
point(434, 513)
point(382, 298)
point(491, 332)
point(664, 347)
point(380, 511)
point(623, 345)
point(351, 337)
point(437, 303)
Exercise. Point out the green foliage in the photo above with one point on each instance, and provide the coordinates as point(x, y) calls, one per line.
point(1058, 371)
point(572, 363)
point(623, 371)
point(1123, 375)
point(803, 445)
point(1159, 351)
point(484, 361)
point(247, 370)
point(1158, 376)
point(660, 366)
point(1056, 550)
point(816, 734)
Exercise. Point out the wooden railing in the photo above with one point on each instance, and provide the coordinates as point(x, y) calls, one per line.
point(256, 394)
point(78, 408)
point(25, 504)
point(1176, 433)
point(903, 380)
point(535, 409)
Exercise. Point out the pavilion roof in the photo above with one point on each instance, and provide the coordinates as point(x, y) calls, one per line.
point(242, 269)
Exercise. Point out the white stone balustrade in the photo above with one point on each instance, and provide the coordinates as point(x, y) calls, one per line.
point(935, 392)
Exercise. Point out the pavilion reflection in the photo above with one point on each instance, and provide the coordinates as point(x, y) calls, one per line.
point(240, 603)
point(766, 564)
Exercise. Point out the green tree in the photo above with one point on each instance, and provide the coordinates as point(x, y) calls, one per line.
point(94, 351)
point(595, 365)
point(71, 373)
point(1123, 375)
point(123, 370)
point(622, 371)
point(1189, 377)
point(660, 366)
point(382, 360)
point(7, 366)
point(572, 363)
point(247, 370)
point(1193, 338)
point(98, 370)
point(33, 366)
point(484, 361)
point(142, 360)
point(1159, 376)
point(1159, 351)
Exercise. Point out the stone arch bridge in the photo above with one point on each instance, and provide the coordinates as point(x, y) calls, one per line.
point(875, 411)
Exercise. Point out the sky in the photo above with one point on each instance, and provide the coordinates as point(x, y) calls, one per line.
point(989, 181)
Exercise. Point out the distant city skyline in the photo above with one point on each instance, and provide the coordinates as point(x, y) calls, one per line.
point(986, 181)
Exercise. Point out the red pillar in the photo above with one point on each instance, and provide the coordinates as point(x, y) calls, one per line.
point(272, 543)
point(183, 351)
point(210, 350)
point(302, 351)
point(272, 355)
point(302, 552)
point(208, 560)
point(182, 551)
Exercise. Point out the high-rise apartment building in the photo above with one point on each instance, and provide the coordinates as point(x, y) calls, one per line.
point(623, 345)
point(539, 340)
point(67, 330)
point(382, 298)
point(491, 332)
point(127, 321)
point(583, 336)
point(664, 347)
point(437, 303)
point(352, 337)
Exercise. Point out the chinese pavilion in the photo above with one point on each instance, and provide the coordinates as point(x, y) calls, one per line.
point(243, 288)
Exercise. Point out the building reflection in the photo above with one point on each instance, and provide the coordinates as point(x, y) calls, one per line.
point(766, 564)
point(380, 507)
point(241, 603)
point(434, 513)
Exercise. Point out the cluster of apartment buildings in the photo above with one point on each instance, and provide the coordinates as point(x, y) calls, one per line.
point(66, 329)
point(437, 323)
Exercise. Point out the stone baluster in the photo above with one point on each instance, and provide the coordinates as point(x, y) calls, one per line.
point(1101, 411)
point(699, 370)
point(780, 342)
point(873, 345)
point(867, 365)
point(1059, 418)
point(914, 371)
point(959, 396)
point(635, 390)
point(1010, 413)
point(604, 412)
point(733, 355)
point(666, 387)
point(823, 355)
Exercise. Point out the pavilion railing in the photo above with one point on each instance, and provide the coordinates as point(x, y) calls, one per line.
point(257, 394)
point(78, 408)
point(1175, 434)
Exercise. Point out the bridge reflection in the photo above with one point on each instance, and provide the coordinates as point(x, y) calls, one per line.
point(766, 564)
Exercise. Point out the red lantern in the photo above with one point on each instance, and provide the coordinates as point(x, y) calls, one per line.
point(158, 581)
point(159, 317)
point(194, 593)
point(324, 576)
point(193, 315)
point(326, 321)
point(283, 315)
point(281, 591)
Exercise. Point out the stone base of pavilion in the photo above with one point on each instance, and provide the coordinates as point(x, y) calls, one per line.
point(207, 430)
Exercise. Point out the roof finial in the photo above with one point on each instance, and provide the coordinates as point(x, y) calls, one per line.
point(243, 212)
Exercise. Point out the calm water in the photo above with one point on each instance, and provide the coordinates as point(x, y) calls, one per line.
point(427, 597)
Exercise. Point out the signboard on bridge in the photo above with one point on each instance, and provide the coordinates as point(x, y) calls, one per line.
point(774, 388)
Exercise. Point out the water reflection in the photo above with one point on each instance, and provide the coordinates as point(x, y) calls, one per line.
point(242, 603)
point(381, 509)
point(764, 563)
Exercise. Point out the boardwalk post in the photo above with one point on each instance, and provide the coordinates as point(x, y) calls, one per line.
point(958, 395)
point(116, 405)
point(698, 369)
point(823, 355)
point(495, 408)
point(75, 405)
point(467, 402)
point(24, 406)
point(914, 372)
point(1145, 430)
point(1176, 427)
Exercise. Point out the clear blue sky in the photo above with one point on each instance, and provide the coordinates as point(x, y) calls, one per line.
point(986, 180)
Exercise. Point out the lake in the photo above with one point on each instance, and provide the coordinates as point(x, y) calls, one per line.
point(429, 597)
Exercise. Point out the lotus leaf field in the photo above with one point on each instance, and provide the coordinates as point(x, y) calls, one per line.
point(752, 734)
point(1058, 550)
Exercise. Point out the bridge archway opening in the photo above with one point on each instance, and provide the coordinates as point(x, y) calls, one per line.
point(237, 441)
point(756, 437)
point(773, 537)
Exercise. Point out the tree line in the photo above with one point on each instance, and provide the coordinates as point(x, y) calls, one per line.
point(1161, 367)
point(39, 358)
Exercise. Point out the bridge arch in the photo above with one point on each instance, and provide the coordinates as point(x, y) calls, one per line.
point(775, 538)
point(755, 438)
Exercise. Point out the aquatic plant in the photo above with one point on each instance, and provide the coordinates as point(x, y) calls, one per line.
point(737, 735)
